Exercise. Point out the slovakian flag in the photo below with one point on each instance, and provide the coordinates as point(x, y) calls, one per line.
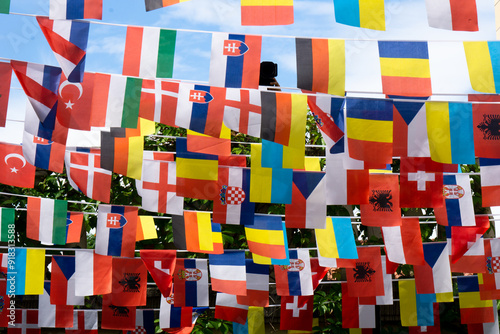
point(159, 101)
point(115, 316)
point(232, 205)
point(68, 39)
point(336, 240)
point(473, 310)
point(50, 315)
point(149, 52)
point(490, 183)
point(129, 282)
point(265, 13)
point(383, 202)
point(75, 9)
point(267, 241)
point(85, 174)
point(296, 313)
point(416, 309)
point(5, 80)
point(161, 266)
point(458, 209)
point(366, 279)
point(40, 83)
point(74, 225)
point(295, 279)
point(116, 230)
point(28, 271)
point(43, 153)
point(92, 273)
point(227, 308)
point(84, 322)
point(235, 60)
point(195, 232)
point(46, 220)
point(63, 280)
point(257, 288)
point(355, 314)
point(345, 186)
point(242, 111)
point(174, 317)
point(403, 244)
point(452, 15)
point(191, 282)
point(228, 272)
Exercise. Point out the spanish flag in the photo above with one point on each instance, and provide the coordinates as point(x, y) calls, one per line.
point(266, 12)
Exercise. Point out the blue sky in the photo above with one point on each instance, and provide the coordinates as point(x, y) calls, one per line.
point(21, 39)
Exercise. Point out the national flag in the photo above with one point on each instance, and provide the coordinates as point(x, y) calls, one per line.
point(473, 310)
point(200, 108)
point(337, 239)
point(74, 225)
point(43, 153)
point(405, 68)
point(269, 185)
point(155, 4)
point(458, 208)
point(235, 60)
point(129, 282)
point(490, 182)
point(116, 230)
point(4, 296)
point(452, 15)
point(116, 100)
point(369, 124)
point(146, 228)
point(296, 313)
point(68, 39)
point(63, 281)
point(228, 272)
point(318, 272)
point(345, 186)
point(5, 80)
point(308, 207)
point(436, 329)
point(55, 132)
point(421, 182)
point(257, 287)
point(28, 271)
point(26, 322)
point(174, 317)
point(149, 52)
point(264, 13)
point(196, 173)
point(485, 118)
point(75, 9)
point(387, 298)
point(489, 281)
point(195, 232)
point(74, 101)
point(255, 322)
point(85, 174)
point(50, 315)
point(472, 260)
point(462, 238)
point(403, 244)
point(281, 157)
point(295, 279)
point(416, 309)
point(159, 101)
point(366, 279)
point(46, 220)
point(383, 208)
point(355, 314)
point(232, 205)
point(233, 161)
point(435, 275)
point(266, 239)
point(158, 187)
point(7, 224)
point(40, 83)
point(117, 317)
point(161, 266)
point(410, 137)
point(368, 14)
point(243, 111)
point(144, 322)
point(227, 308)
point(84, 322)
point(449, 127)
point(191, 282)
point(5, 7)
point(488, 327)
point(92, 273)
point(200, 143)
point(321, 65)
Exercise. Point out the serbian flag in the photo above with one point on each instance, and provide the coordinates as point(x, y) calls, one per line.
point(191, 282)
point(242, 111)
point(328, 114)
point(129, 282)
point(159, 101)
point(366, 279)
point(235, 60)
point(75, 9)
point(369, 125)
point(321, 65)
point(403, 243)
point(46, 220)
point(161, 265)
point(43, 153)
point(490, 182)
point(5, 79)
point(227, 308)
point(92, 273)
point(452, 15)
point(195, 232)
point(174, 317)
point(473, 310)
point(296, 313)
point(116, 230)
point(257, 276)
point(228, 272)
point(266, 12)
point(383, 202)
point(74, 224)
point(63, 280)
point(355, 314)
point(68, 39)
point(345, 186)
point(295, 279)
point(368, 14)
point(458, 209)
point(50, 315)
point(115, 316)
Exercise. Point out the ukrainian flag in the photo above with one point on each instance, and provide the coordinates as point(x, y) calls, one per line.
point(28, 271)
point(483, 62)
point(360, 13)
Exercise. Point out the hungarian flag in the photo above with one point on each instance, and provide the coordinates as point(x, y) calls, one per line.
point(383, 202)
point(161, 266)
point(46, 220)
point(296, 313)
point(92, 273)
point(191, 282)
point(129, 282)
point(5, 79)
point(366, 279)
point(117, 317)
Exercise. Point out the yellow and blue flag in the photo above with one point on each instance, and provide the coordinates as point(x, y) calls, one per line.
point(28, 271)
point(337, 240)
point(483, 62)
point(473, 310)
point(415, 309)
point(368, 14)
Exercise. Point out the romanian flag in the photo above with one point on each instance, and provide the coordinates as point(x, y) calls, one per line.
point(266, 12)
point(195, 232)
point(473, 310)
point(28, 271)
point(369, 130)
point(405, 68)
point(368, 14)
point(483, 65)
point(321, 65)
point(267, 241)
point(449, 128)
point(337, 240)
point(416, 309)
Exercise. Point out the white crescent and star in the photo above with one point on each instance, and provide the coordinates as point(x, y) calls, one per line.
point(69, 104)
point(17, 156)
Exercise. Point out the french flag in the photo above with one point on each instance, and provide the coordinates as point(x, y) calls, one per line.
point(228, 272)
point(235, 60)
point(296, 278)
point(75, 9)
point(490, 181)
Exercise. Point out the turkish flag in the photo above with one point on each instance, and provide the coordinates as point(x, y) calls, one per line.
point(129, 282)
point(161, 266)
point(383, 201)
point(14, 169)
point(366, 279)
point(117, 317)
point(5, 78)
point(75, 99)
point(296, 313)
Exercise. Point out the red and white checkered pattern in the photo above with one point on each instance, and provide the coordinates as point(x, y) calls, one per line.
point(234, 196)
point(495, 264)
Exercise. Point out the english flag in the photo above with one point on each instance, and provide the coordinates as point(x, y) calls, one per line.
point(161, 266)
point(242, 111)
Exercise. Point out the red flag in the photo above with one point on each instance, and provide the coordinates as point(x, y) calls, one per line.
point(485, 119)
point(354, 313)
point(403, 243)
point(383, 208)
point(26, 322)
point(317, 271)
point(129, 284)
point(75, 99)
point(74, 223)
point(366, 279)
point(296, 313)
point(227, 308)
point(4, 311)
point(161, 265)
point(159, 101)
point(5, 79)
point(14, 169)
point(117, 317)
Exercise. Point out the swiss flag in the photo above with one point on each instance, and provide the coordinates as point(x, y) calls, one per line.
point(161, 266)
point(74, 101)
point(14, 169)
point(296, 313)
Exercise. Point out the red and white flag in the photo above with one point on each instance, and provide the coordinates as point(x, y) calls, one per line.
point(403, 243)
point(296, 313)
point(242, 111)
point(84, 322)
point(73, 104)
point(227, 308)
point(345, 186)
point(92, 273)
point(14, 169)
point(257, 285)
point(5, 79)
point(26, 322)
point(161, 266)
point(355, 314)
point(159, 101)
point(53, 316)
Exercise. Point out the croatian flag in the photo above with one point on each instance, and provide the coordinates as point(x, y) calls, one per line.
point(296, 278)
point(235, 60)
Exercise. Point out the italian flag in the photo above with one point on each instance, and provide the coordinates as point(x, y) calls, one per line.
point(46, 220)
point(149, 52)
